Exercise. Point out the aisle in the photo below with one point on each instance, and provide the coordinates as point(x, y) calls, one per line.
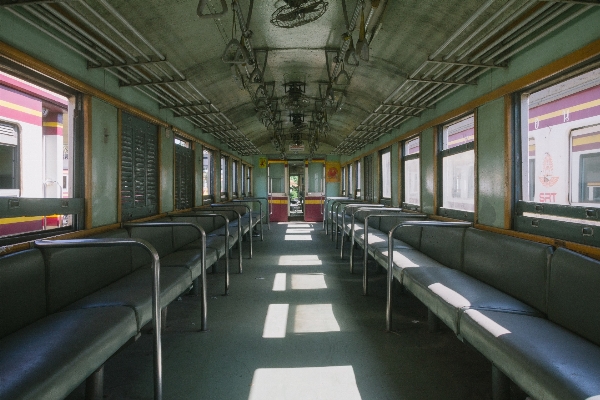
point(296, 327)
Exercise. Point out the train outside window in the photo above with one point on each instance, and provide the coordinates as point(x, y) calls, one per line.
point(385, 158)
point(458, 164)
point(35, 152)
point(249, 181)
point(208, 173)
point(562, 142)
point(357, 180)
point(344, 183)
point(412, 173)
point(234, 178)
point(351, 184)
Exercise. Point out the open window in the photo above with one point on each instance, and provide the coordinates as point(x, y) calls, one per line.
point(39, 147)
point(458, 168)
point(560, 159)
point(234, 179)
point(224, 177)
point(385, 173)
point(412, 174)
point(208, 176)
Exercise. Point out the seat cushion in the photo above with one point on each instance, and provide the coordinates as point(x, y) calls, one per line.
point(448, 292)
point(51, 357)
point(135, 291)
point(190, 259)
point(546, 360)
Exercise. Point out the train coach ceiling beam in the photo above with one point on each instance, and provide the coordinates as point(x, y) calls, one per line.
point(196, 114)
point(9, 3)
point(586, 2)
point(194, 104)
point(397, 114)
point(148, 60)
point(123, 84)
point(457, 83)
point(466, 64)
point(397, 106)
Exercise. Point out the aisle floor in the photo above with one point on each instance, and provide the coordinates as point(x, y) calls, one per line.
point(297, 327)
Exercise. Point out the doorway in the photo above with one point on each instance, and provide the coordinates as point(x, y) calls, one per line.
point(296, 189)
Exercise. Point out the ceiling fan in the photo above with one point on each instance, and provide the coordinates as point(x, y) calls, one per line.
point(298, 12)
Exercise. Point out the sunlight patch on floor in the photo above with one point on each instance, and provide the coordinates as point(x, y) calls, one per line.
point(276, 321)
point(313, 318)
point(316, 383)
point(295, 224)
point(280, 282)
point(298, 237)
point(301, 259)
point(294, 230)
point(308, 281)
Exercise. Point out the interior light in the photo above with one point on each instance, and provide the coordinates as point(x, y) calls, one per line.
point(276, 321)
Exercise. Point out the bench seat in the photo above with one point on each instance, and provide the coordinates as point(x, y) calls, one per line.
point(547, 360)
point(135, 291)
point(49, 358)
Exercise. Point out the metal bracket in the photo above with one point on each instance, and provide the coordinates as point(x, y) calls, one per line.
point(241, 54)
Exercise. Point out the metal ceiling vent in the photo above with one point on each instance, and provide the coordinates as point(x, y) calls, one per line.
point(298, 12)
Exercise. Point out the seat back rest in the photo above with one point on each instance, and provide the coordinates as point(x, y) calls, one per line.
point(515, 266)
point(184, 234)
point(574, 293)
point(159, 237)
point(73, 273)
point(443, 244)
point(22, 290)
point(410, 235)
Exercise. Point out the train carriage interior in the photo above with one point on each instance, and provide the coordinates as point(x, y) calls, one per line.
point(300, 199)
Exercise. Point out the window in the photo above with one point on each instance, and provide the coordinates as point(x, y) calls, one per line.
point(560, 152)
point(208, 174)
point(351, 184)
point(412, 174)
point(139, 168)
point(249, 181)
point(357, 180)
point(244, 179)
point(224, 177)
point(458, 168)
point(343, 181)
point(234, 177)
point(369, 194)
point(385, 176)
point(37, 146)
point(184, 174)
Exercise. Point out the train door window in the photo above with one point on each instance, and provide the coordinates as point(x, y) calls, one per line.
point(208, 176)
point(139, 168)
point(458, 168)
point(184, 174)
point(37, 142)
point(224, 177)
point(369, 194)
point(9, 160)
point(234, 178)
point(385, 174)
point(412, 174)
point(560, 152)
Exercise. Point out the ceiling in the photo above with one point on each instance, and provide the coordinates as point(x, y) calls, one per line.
point(166, 51)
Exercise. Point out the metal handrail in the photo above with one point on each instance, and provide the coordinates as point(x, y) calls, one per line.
point(400, 214)
point(258, 200)
point(227, 207)
point(203, 298)
point(343, 225)
point(204, 214)
point(327, 201)
point(390, 275)
point(335, 205)
point(155, 289)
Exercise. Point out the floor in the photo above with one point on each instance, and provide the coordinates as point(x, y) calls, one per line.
point(296, 326)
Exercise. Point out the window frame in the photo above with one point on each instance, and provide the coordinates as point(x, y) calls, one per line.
point(224, 186)
point(387, 151)
point(234, 178)
point(575, 223)
point(408, 157)
point(184, 194)
point(442, 153)
point(357, 180)
point(209, 181)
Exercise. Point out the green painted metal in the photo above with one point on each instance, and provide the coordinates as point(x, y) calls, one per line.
point(427, 171)
point(167, 171)
point(105, 162)
point(491, 179)
point(395, 176)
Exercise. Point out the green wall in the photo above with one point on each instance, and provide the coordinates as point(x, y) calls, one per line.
point(105, 154)
point(492, 189)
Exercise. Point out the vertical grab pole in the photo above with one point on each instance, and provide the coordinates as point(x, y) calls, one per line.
point(390, 281)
